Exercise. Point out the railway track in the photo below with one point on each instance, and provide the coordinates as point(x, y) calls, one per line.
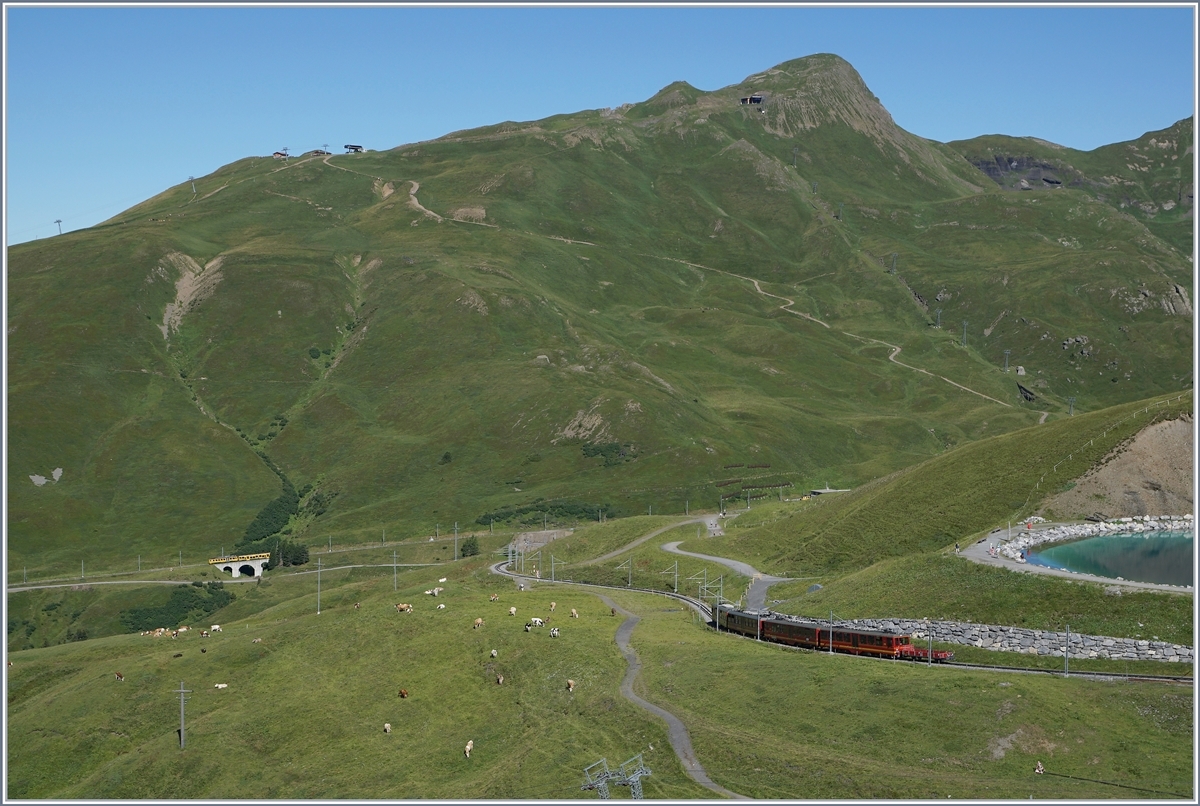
point(706, 611)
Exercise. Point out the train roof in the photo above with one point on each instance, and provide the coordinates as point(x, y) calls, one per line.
point(770, 615)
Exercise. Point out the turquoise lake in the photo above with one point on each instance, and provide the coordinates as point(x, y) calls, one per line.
point(1167, 558)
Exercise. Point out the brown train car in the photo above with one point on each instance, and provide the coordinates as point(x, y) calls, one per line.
point(815, 635)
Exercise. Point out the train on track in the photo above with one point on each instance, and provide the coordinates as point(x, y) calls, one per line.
point(795, 631)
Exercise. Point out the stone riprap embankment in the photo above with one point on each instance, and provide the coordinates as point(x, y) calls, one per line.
point(1073, 531)
point(1031, 642)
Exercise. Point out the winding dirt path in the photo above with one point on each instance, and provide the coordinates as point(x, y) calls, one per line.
point(677, 732)
point(643, 539)
point(786, 307)
point(896, 351)
point(756, 596)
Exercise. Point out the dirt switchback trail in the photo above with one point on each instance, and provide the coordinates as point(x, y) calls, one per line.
point(756, 597)
point(681, 743)
point(643, 539)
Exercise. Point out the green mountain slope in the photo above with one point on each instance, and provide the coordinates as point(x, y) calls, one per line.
point(585, 308)
point(1149, 178)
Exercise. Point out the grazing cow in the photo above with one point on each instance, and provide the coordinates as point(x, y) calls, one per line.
point(215, 628)
point(429, 593)
point(443, 579)
point(499, 680)
point(470, 746)
point(404, 607)
point(440, 607)
point(537, 622)
point(221, 685)
point(552, 606)
point(10, 662)
point(404, 694)
point(478, 624)
point(120, 677)
point(204, 633)
point(612, 611)
point(574, 613)
point(177, 655)
point(357, 605)
point(174, 633)
point(571, 686)
point(495, 596)
point(520, 586)
point(256, 641)
point(493, 655)
point(528, 627)
point(203, 650)
point(387, 727)
point(184, 628)
point(512, 611)
point(554, 632)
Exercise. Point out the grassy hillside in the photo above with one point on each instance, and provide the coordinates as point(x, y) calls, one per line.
point(304, 708)
point(567, 315)
point(1148, 179)
point(950, 498)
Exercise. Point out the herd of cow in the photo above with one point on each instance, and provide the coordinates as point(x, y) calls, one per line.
point(403, 607)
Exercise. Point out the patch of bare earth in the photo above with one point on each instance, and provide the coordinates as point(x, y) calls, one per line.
point(1151, 474)
point(473, 214)
point(195, 284)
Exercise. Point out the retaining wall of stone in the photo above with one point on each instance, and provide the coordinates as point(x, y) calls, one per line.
point(1032, 642)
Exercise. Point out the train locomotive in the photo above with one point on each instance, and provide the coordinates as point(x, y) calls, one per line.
point(794, 631)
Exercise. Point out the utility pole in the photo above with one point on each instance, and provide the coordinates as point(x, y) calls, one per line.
point(631, 773)
point(675, 570)
point(318, 586)
point(795, 151)
point(81, 576)
point(939, 318)
point(628, 563)
point(1006, 352)
point(394, 581)
point(964, 339)
point(456, 540)
point(830, 618)
point(181, 558)
point(59, 222)
point(1067, 654)
point(140, 560)
point(894, 256)
point(814, 187)
point(192, 179)
point(1071, 404)
point(685, 506)
point(597, 776)
point(181, 691)
point(841, 209)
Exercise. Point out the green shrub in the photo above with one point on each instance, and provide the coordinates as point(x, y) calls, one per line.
point(185, 604)
point(470, 547)
point(314, 353)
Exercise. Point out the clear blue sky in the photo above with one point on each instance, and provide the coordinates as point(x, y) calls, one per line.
point(107, 106)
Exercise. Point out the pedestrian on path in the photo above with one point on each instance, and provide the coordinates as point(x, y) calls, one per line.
point(956, 548)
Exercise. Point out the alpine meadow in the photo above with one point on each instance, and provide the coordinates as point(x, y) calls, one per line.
point(397, 364)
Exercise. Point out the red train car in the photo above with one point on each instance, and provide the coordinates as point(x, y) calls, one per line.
point(816, 635)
